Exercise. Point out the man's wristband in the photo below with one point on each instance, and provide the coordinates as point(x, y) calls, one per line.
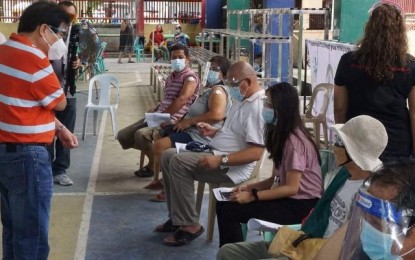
point(255, 194)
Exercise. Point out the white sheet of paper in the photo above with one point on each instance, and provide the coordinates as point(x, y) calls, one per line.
point(262, 225)
point(155, 119)
point(221, 194)
point(180, 147)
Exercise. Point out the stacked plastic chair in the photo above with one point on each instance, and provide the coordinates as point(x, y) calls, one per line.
point(139, 49)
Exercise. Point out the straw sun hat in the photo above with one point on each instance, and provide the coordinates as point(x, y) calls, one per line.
point(364, 138)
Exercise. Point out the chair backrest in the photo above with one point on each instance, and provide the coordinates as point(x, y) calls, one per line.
point(139, 42)
point(204, 76)
point(328, 163)
point(326, 90)
point(256, 171)
point(101, 50)
point(103, 82)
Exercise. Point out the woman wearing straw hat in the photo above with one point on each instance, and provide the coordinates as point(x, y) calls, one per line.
point(377, 80)
point(357, 147)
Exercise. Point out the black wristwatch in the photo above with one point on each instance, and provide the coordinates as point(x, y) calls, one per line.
point(255, 194)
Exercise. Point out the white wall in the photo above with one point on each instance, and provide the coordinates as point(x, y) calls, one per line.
point(411, 42)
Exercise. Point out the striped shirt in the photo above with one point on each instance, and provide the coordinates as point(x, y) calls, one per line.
point(29, 91)
point(174, 85)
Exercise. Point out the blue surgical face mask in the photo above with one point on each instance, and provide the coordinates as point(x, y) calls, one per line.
point(178, 64)
point(376, 244)
point(268, 116)
point(213, 77)
point(235, 93)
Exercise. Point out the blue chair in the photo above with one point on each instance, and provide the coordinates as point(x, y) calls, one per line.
point(139, 49)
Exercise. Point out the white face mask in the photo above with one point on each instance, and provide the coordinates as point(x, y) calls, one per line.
point(57, 49)
point(178, 64)
point(213, 77)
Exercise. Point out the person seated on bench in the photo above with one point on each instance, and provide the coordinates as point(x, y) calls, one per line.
point(381, 224)
point(234, 150)
point(333, 209)
point(211, 107)
point(180, 37)
point(159, 45)
point(296, 183)
point(181, 90)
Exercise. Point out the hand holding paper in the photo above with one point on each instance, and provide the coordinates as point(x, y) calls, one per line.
point(155, 119)
point(222, 194)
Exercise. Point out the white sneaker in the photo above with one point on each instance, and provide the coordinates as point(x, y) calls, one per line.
point(62, 179)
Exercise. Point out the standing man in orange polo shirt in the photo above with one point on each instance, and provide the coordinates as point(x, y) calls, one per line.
point(29, 94)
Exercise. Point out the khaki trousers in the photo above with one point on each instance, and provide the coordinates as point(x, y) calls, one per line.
point(179, 172)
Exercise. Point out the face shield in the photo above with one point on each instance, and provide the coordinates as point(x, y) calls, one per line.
point(376, 230)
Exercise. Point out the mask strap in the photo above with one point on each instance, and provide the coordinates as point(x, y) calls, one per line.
point(407, 252)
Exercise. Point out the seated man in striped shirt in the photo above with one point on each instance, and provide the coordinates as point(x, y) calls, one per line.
point(181, 90)
point(29, 94)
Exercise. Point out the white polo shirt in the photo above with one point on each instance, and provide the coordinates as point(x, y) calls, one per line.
point(244, 125)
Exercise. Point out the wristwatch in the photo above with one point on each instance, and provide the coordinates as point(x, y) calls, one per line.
point(224, 160)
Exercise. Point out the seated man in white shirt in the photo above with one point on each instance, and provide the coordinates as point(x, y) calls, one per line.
point(235, 148)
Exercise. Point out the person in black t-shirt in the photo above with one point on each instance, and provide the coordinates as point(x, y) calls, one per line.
point(377, 79)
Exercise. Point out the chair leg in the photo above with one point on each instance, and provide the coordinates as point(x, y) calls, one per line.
point(156, 170)
point(95, 121)
point(114, 121)
point(326, 139)
point(317, 134)
point(211, 215)
point(154, 82)
point(151, 78)
point(199, 196)
point(84, 124)
point(142, 156)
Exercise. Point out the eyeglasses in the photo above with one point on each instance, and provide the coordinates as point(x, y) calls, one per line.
point(215, 68)
point(234, 82)
point(59, 31)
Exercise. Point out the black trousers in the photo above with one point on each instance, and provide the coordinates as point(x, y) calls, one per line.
point(61, 156)
point(284, 211)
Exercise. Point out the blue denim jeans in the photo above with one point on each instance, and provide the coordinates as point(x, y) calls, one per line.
point(26, 185)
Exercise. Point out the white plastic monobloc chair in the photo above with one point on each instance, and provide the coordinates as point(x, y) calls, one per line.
point(102, 100)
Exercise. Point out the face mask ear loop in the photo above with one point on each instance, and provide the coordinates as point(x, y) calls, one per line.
point(407, 252)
